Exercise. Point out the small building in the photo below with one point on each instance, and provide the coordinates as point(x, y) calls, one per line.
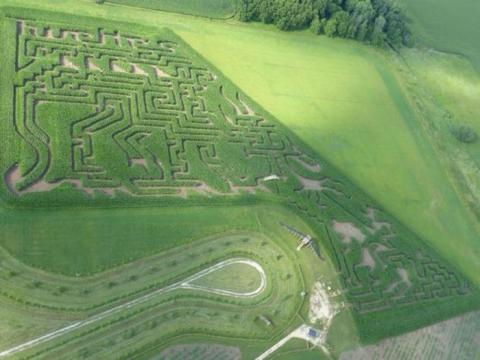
point(312, 333)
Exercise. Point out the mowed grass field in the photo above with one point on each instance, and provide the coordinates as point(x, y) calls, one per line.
point(235, 277)
point(105, 239)
point(453, 85)
point(208, 8)
point(342, 99)
point(447, 26)
point(163, 316)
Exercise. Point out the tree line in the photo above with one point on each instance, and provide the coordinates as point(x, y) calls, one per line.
point(379, 22)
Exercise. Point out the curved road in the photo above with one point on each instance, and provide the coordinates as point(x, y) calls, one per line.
point(183, 284)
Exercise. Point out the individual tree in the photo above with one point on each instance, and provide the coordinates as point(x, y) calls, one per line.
point(343, 22)
point(464, 134)
point(378, 36)
point(316, 26)
point(331, 27)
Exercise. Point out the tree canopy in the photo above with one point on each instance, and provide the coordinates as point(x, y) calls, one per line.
point(379, 22)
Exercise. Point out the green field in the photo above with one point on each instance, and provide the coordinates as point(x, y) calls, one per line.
point(173, 313)
point(352, 136)
point(144, 147)
point(102, 246)
point(298, 349)
point(456, 338)
point(136, 137)
point(447, 26)
point(235, 277)
point(208, 8)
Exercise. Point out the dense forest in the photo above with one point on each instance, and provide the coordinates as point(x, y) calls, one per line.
point(379, 22)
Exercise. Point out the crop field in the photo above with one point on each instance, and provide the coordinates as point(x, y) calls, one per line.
point(449, 29)
point(208, 8)
point(145, 196)
point(337, 102)
point(200, 352)
point(452, 339)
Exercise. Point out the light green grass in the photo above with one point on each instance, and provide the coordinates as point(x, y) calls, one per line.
point(450, 26)
point(207, 8)
point(235, 277)
point(35, 238)
point(341, 335)
point(446, 82)
point(454, 87)
point(298, 349)
point(96, 245)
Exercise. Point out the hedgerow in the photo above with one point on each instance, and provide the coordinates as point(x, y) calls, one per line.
point(378, 22)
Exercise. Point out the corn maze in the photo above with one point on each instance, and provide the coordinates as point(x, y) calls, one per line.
point(103, 113)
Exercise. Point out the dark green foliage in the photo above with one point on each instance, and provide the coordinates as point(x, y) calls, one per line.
point(36, 283)
point(12, 273)
point(464, 134)
point(100, 1)
point(378, 22)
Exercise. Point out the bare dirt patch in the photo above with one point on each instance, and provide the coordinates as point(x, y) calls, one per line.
point(313, 168)
point(49, 34)
point(160, 73)
point(117, 68)
point(321, 308)
point(91, 65)
point(376, 225)
point(137, 70)
point(309, 184)
point(348, 231)
point(381, 247)
point(250, 112)
point(64, 61)
point(404, 276)
point(138, 161)
point(13, 176)
point(367, 259)
point(237, 109)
